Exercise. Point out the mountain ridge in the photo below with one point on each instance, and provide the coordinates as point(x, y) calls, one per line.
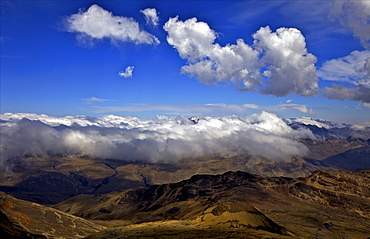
point(233, 204)
point(283, 200)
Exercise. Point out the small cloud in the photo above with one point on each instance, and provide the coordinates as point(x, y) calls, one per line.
point(359, 106)
point(338, 92)
point(151, 16)
point(288, 101)
point(351, 68)
point(283, 107)
point(97, 23)
point(359, 93)
point(95, 99)
point(127, 73)
point(367, 105)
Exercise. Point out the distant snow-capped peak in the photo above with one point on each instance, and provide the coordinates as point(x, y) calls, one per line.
point(321, 123)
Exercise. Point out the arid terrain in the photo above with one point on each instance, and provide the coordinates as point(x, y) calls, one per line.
point(23, 219)
point(326, 204)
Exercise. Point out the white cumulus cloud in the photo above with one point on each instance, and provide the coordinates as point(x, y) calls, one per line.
point(207, 60)
point(127, 73)
point(151, 16)
point(98, 23)
point(288, 67)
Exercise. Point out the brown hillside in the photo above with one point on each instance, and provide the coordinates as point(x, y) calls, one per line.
point(317, 205)
point(22, 219)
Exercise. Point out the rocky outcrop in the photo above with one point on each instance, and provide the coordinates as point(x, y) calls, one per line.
point(339, 189)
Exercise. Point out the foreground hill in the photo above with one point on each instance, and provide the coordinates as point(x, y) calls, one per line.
point(327, 204)
point(23, 219)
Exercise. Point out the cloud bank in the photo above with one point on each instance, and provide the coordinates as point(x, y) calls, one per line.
point(277, 63)
point(164, 138)
point(98, 23)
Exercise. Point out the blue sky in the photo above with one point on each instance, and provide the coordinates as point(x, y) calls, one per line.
point(289, 55)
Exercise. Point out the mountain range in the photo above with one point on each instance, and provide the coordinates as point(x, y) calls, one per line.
point(293, 178)
point(326, 204)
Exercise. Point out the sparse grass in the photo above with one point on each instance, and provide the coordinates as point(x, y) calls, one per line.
point(181, 229)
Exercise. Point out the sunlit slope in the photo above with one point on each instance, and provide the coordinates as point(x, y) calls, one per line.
point(319, 204)
point(23, 219)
